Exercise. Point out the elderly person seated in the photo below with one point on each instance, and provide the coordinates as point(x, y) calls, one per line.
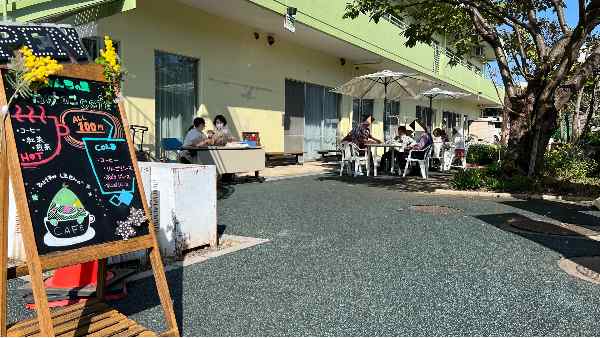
point(403, 140)
point(425, 141)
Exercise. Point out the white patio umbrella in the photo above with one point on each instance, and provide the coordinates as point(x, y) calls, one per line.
point(386, 85)
point(437, 93)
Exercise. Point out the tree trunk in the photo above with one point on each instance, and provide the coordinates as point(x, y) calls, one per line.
point(532, 124)
point(576, 126)
point(505, 131)
point(592, 106)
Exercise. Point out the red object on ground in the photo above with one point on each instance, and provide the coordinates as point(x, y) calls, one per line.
point(76, 276)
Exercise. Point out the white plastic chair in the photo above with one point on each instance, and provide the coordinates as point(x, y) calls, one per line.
point(423, 163)
point(437, 154)
point(376, 159)
point(448, 157)
point(351, 154)
point(346, 157)
point(463, 160)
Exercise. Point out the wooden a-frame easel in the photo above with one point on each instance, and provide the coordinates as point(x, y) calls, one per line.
point(92, 316)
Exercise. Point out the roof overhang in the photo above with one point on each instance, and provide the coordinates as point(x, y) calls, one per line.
point(53, 11)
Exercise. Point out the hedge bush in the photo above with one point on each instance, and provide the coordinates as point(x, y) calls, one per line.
point(492, 178)
point(567, 166)
point(592, 138)
point(482, 154)
point(568, 162)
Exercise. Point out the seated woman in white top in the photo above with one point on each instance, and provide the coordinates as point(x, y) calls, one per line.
point(193, 138)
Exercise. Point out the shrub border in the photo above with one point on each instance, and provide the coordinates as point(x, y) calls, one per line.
point(581, 200)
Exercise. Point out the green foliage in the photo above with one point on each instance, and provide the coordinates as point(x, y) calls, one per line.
point(471, 179)
point(492, 178)
point(568, 162)
point(592, 138)
point(568, 172)
point(482, 154)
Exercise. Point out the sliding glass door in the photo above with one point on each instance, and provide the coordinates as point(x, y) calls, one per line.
point(176, 100)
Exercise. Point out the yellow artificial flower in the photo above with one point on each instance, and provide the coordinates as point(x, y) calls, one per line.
point(38, 68)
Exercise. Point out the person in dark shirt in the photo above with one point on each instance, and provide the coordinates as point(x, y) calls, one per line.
point(361, 134)
point(424, 141)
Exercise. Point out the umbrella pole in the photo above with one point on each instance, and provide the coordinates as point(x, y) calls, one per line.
point(431, 111)
point(385, 84)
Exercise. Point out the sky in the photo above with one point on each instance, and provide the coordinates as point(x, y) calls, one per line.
point(572, 14)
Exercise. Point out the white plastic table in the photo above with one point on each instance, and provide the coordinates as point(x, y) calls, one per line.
point(399, 147)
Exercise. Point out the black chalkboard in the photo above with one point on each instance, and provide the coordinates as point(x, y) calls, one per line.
point(77, 170)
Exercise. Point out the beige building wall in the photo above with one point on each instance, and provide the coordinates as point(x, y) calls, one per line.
point(239, 76)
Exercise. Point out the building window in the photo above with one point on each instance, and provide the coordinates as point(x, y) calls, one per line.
point(391, 118)
point(425, 116)
point(93, 44)
point(360, 109)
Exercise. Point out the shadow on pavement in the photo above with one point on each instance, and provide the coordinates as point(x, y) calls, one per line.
point(142, 295)
point(415, 183)
point(566, 213)
point(224, 191)
point(567, 242)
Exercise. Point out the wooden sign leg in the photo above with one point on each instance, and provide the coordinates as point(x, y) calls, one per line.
point(163, 291)
point(101, 279)
point(4, 196)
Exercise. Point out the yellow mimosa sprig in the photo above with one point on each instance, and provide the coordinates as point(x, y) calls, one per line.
point(113, 72)
point(29, 72)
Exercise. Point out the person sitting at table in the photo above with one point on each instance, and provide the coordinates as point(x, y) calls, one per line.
point(459, 143)
point(439, 136)
point(440, 146)
point(424, 141)
point(221, 133)
point(401, 139)
point(194, 137)
point(361, 134)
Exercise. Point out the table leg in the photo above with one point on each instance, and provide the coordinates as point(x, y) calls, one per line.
point(369, 156)
point(393, 161)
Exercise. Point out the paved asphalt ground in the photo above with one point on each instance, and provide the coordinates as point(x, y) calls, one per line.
point(351, 257)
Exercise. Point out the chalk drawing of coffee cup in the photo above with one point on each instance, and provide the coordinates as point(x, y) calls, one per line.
point(39, 136)
point(67, 221)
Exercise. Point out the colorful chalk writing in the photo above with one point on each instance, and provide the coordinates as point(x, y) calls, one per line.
point(114, 176)
point(88, 123)
point(94, 103)
point(70, 84)
point(40, 134)
point(76, 165)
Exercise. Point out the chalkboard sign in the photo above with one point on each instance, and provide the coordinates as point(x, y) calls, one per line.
point(80, 183)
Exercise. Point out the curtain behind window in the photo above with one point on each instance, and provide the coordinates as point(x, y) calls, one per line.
point(176, 99)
